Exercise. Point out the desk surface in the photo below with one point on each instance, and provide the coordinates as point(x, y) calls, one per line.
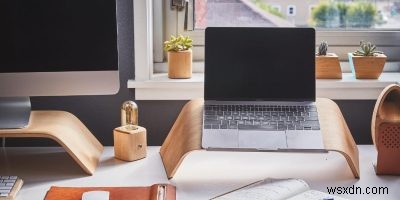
point(202, 175)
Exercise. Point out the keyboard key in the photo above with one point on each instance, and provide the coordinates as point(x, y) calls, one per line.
point(248, 122)
point(5, 191)
point(307, 127)
point(315, 128)
point(207, 126)
point(224, 122)
point(212, 122)
point(223, 126)
point(210, 117)
point(210, 112)
point(311, 118)
point(310, 123)
point(299, 127)
point(232, 126)
point(313, 114)
point(215, 126)
point(258, 127)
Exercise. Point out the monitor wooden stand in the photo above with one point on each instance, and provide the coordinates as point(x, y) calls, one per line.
point(67, 130)
point(185, 135)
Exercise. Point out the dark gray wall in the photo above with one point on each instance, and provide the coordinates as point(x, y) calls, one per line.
point(101, 114)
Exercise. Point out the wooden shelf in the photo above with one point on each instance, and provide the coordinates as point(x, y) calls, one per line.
point(65, 129)
point(185, 135)
point(160, 87)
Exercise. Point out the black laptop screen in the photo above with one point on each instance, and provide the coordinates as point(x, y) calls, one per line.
point(249, 64)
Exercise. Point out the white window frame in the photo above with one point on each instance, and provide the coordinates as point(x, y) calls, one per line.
point(341, 42)
point(152, 25)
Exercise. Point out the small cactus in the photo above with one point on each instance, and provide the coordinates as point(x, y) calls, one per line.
point(323, 48)
point(367, 49)
point(178, 43)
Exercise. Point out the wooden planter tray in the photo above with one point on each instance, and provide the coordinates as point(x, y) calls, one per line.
point(65, 129)
point(185, 135)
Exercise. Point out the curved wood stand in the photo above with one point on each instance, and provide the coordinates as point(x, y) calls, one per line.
point(185, 135)
point(68, 131)
point(385, 130)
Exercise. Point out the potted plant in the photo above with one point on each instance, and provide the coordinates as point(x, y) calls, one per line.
point(179, 56)
point(367, 63)
point(327, 65)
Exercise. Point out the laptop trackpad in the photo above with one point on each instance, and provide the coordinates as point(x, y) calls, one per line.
point(269, 140)
point(309, 139)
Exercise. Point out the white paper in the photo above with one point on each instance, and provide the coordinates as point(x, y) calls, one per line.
point(269, 189)
point(96, 195)
point(314, 195)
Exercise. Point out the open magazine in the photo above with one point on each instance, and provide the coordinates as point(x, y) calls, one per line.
point(276, 189)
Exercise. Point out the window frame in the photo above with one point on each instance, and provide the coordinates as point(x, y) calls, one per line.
point(341, 41)
point(151, 27)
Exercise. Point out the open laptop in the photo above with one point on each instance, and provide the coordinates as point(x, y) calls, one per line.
point(259, 89)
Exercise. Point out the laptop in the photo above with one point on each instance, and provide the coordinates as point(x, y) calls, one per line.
point(259, 89)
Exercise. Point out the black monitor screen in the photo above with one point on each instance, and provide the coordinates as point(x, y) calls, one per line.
point(58, 35)
point(260, 64)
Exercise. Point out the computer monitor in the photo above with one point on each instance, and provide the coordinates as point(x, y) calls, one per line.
point(56, 48)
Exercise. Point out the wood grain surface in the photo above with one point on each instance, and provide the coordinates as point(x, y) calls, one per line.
point(185, 135)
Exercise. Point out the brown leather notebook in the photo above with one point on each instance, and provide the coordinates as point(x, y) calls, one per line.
point(154, 192)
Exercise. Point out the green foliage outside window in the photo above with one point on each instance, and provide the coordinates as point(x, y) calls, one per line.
point(359, 14)
point(267, 8)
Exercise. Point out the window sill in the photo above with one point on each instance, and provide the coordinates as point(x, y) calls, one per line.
point(160, 87)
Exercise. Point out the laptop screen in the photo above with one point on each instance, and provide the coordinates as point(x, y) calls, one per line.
point(251, 64)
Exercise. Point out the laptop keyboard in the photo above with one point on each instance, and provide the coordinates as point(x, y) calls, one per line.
point(261, 117)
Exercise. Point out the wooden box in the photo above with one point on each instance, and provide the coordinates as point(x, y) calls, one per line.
point(328, 67)
point(385, 130)
point(130, 142)
point(367, 67)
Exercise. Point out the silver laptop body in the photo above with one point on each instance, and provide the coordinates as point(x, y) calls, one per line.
point(258, 96)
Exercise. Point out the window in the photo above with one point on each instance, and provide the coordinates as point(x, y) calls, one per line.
point(342, 23)
point(155, 21)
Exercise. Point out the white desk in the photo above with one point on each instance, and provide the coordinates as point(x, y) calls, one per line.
point(201, 176)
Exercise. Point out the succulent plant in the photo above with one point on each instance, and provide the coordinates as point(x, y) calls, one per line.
point(178, 43)
point(323, 48)
point(367, 49)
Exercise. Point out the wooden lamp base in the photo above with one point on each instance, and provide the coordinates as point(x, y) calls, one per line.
point(185, 135)
point(67, 130)
point(385, 130)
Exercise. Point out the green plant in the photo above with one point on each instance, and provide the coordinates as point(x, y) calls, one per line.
point(267, 8)
point(361, 14)
point(358, 14)
point(323, 48)
point(367, 49)
point(326, 15)
point(178, 43)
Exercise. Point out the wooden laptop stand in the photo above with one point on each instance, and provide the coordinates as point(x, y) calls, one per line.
point(65, 129)
point(185, 135)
